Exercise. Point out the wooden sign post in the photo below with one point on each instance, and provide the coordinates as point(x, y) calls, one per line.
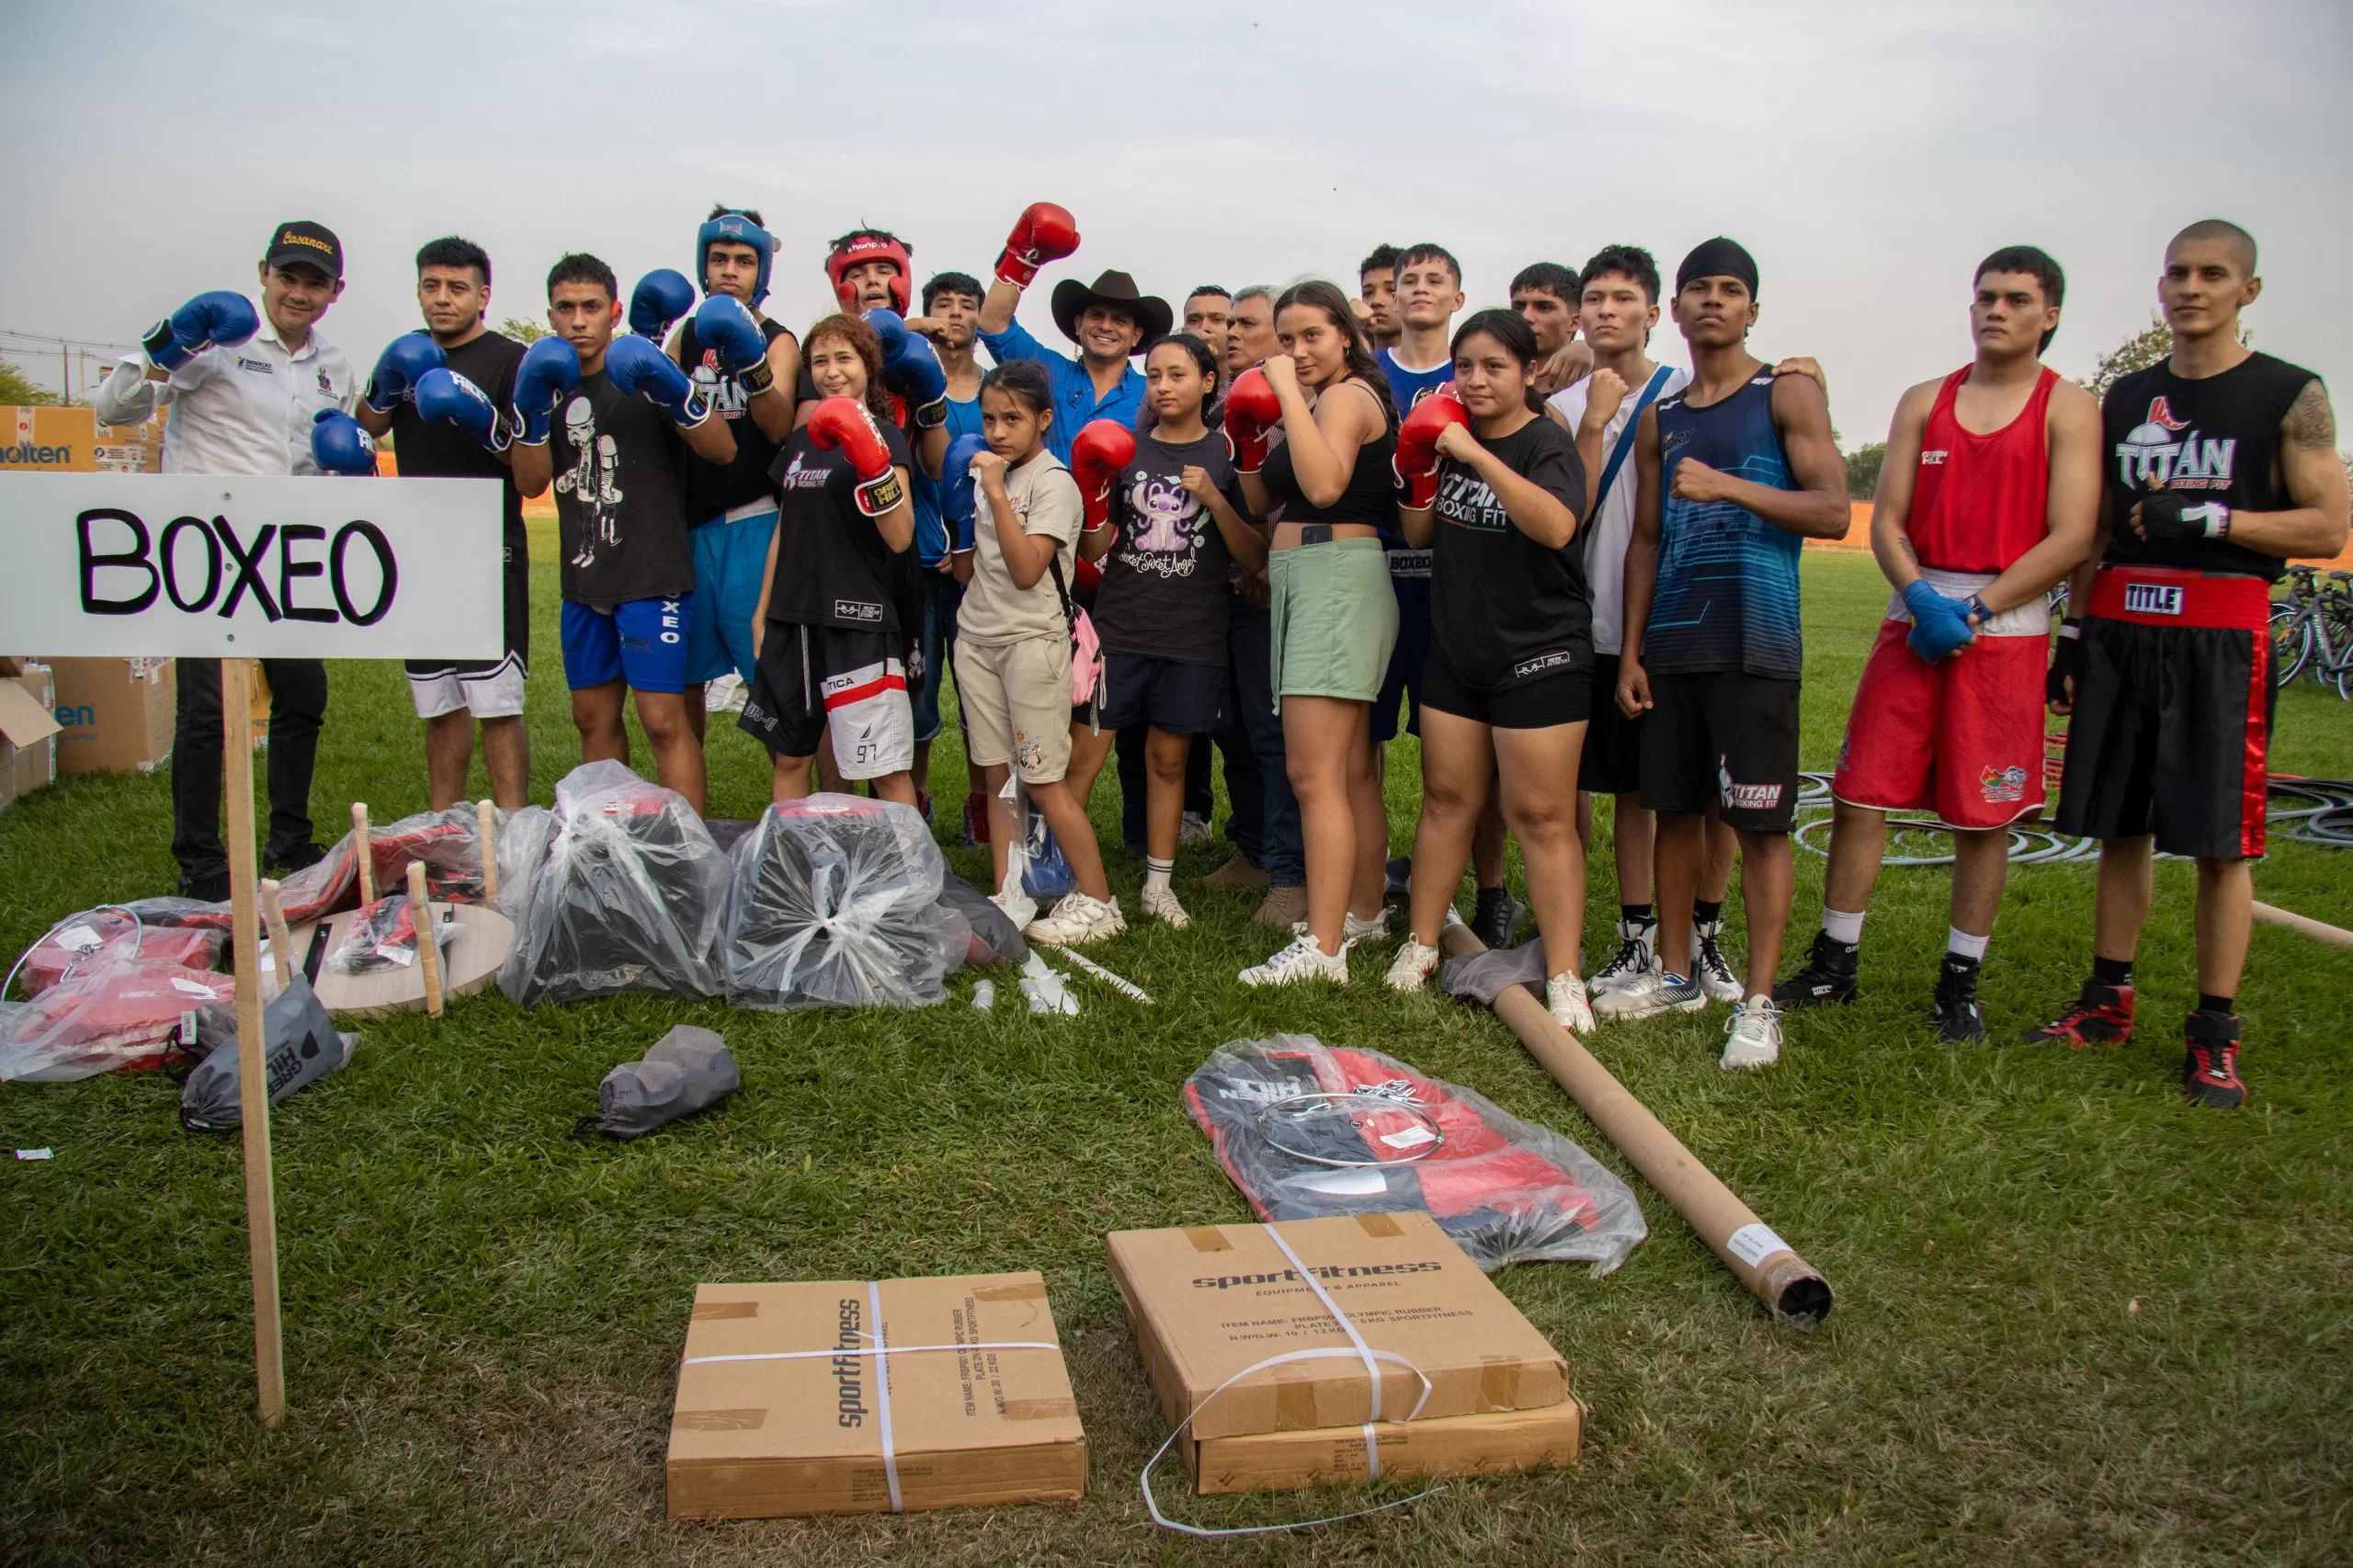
point(252, 1066)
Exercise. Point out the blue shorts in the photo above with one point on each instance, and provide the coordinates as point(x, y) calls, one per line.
point(643, 644)
point(941, 595)
point(730, 563)
point(1405, 661)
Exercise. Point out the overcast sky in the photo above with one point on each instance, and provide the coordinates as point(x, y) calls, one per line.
point(1869, 154)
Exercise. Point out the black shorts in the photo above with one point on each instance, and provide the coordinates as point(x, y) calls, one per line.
point(1724, 737)
point(2172, 722)
point(1612, 763)
point(811, 677)
point(1559, 699)
point(1184, 700)
point(1402, 680)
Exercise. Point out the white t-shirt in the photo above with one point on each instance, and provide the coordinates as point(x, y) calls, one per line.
point(1045, 501)
point(1613, 521)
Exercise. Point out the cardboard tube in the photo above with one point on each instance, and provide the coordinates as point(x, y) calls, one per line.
point(1768, 1266)
point(253, 1068)
point(486, 814)
point(428, 945)
point(2318, 930)
point(362, 856)
point(282, 961)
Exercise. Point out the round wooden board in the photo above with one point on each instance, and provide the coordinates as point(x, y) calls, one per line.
point(470, 961)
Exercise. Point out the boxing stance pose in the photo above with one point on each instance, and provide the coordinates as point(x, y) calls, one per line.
point(1107, 320)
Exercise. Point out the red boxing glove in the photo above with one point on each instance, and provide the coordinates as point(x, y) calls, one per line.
point(1101, 449)
point(1044, 232)
point(1251, 410)
point(1416, 461)
point(843, 424)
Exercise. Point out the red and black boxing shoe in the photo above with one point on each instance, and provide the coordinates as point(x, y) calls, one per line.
point(2102, 1016)
point(2209, 1075)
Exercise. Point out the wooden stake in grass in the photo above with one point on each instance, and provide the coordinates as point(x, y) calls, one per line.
point(363, 857)
point(428, 944)
point(253, 1068)
point(281, 940)
point(487, 816)
point(1768, 1266)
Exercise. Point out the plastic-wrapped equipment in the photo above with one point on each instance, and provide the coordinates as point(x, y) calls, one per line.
point(117, 933)
point(991, 937)
point(1306, 1130)
point(628, 899)
point(834, 903)
point(448, 842)
point(115, 1011)
point(689, 1070)
point(524, 836)
point(384, 935)
point(300, 1046)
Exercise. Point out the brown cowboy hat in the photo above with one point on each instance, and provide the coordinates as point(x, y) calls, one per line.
point(1118, 291)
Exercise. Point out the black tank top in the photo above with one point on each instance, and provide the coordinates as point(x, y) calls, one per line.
point(2216, 438)
point(1370, 497)
point(713, 489)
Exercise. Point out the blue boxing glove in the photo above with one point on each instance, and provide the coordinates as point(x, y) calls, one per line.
point(551, 369)
point(725, 328)
point(911, 367)
point(443, 395)
point(218, 319)
point(661, 297)
point(960, 501)
point(638, 364)
point(1939, 623)
point(403, 360)
point(339, 446)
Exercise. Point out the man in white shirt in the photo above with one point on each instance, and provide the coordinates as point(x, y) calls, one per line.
point(243, 405)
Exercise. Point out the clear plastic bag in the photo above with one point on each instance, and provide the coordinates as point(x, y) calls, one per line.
point(525, 835)
point(628, 899)
point(449, 843)
point(834, 903)
point(1307, 1130)
point(113, 1012)
point(115, 933)
point(384, 935)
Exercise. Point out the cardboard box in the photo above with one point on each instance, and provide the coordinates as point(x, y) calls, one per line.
point(1451, 1445)
point(27, 733)
point(762, 1438)
point(119, 714)
point(1207, 1301)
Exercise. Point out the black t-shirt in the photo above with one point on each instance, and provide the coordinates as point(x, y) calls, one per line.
point(1165, 578)
point(714, 489)
point(1503, 609)
point(2216, 438)
point(832, 565)
point(426, 448)
point(617, 507)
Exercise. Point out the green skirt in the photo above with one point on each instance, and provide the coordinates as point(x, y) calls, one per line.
point(1334, 620)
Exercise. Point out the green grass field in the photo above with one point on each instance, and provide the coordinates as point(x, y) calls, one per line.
point(2077, 1323)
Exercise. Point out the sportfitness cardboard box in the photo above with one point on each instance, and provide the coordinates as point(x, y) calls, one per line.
point(118, 715)
point(1207, 1301)
point(27, 733)
point(1449, 1445)
point(976, 1423)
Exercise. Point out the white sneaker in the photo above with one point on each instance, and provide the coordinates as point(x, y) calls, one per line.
point(1352, 929)
point(1411, 970)
point(1564, 997)
point(1708, 966)
point(1076, 919)
point(1194, 828)
point(1637, 955)
point(1302, 961)
point(1753, 1033)
point(1161, 905)
point(1651, 993)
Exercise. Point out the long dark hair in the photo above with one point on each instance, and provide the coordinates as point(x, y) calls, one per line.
point(1518, 339)
point(1200, 356)
point(854, 331)
point(1327, 297)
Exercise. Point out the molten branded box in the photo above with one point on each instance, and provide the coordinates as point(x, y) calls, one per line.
point(119, 714)
point(1448, 1445)
point(28, 731)
point(1208, 1301)
point(971, 1406)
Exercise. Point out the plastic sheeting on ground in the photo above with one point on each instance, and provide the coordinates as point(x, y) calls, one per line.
point(113, 1012)
point(1356, 1137)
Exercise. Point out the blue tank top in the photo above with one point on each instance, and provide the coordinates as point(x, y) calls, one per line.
point(1727, 594)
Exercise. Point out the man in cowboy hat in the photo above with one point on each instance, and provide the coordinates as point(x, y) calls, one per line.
point(1109, 322)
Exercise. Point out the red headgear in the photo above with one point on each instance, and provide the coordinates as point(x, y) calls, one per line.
point(860, 248)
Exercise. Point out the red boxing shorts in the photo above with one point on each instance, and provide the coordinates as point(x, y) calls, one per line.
point(1961, 737)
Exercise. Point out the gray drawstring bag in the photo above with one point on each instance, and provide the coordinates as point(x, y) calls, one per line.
point(687, 1070)
point(300, 1046)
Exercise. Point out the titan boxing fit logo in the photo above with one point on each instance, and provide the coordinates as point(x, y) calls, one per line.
point(2165, 453)
point(195, 560)
point(850, 1381)
point(2152, 598)
point(1744, 797)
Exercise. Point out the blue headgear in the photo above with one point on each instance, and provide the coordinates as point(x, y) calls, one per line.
point(737, 229)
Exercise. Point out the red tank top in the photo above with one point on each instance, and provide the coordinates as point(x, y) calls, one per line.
point(1979, 501)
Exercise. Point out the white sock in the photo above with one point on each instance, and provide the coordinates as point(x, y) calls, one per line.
point(1841, 926)
point(1156, 873)
point(1961, 944)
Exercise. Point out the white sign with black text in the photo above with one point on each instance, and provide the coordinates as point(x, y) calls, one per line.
point(206, 566)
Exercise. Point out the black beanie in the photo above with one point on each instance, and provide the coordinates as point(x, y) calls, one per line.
point(1719, 257)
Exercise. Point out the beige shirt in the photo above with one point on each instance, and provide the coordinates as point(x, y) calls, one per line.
point(1045, 501)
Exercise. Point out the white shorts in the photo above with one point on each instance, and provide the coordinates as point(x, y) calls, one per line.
point(1014, 699)
point(490, 691)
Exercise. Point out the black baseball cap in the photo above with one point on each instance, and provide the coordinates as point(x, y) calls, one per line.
point(305, 243)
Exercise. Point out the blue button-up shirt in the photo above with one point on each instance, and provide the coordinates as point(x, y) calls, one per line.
point(1075, 401)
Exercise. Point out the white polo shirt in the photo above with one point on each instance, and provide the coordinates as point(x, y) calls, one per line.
point(1612, 524)
point(242, 410)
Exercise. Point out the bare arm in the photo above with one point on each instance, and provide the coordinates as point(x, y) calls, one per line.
point(1818, 507)
point(1244, 540)
point(2314, 476)
point(997, 306)
point(1641, 570)
point(767, 579)
point(534, 468)
point(712, 439)
point(897, 526)
point(2071, 515)
point(1898, 474)
point(1417, 526)
point(931, 450)
point(1256, 495)
point(772, 410)
point(375, 424)
point(1324, 438)
point(1534, 510)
